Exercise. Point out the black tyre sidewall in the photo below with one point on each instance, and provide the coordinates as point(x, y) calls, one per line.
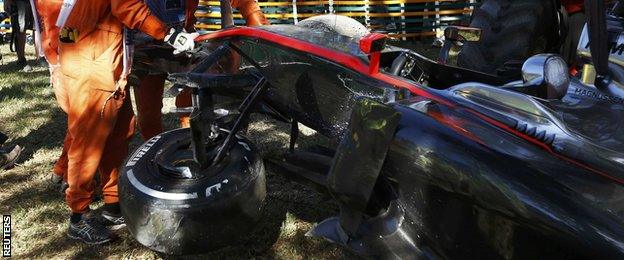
point(159, 214)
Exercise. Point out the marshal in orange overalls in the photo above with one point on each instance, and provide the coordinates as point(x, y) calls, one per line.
point(100, 117)
point(150, 91)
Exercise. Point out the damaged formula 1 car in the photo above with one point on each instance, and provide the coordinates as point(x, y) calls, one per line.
point(431, 161)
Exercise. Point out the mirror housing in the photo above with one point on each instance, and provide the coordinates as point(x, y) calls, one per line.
point(549, 71)
point(372, 44)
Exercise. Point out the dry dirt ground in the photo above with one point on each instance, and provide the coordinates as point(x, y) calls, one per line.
point(31, 118)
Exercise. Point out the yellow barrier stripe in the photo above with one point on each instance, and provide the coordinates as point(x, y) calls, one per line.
point(274, 16)
point(389, 2)
point(208, 26)
point(405, 14)
point(216, 3)
point(350, 14)
point(304, 3)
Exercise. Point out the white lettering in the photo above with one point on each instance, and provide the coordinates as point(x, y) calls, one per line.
point(143, 151)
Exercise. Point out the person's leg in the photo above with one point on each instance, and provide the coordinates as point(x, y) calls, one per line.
point(148, 96)
point(41, 60)
point(59, 176)
point(20, 44)
point(90, 130)
point(60, 167)
point(20, 36)
point(114, 154)
point(116, 150)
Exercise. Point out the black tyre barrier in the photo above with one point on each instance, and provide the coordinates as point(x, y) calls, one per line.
point(512, 32)
point(169, 212)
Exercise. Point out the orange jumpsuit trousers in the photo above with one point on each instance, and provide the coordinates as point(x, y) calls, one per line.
point(149, 94)
point(100, 119)
point(47, 11)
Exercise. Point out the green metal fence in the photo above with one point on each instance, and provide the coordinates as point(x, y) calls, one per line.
point(397, 18)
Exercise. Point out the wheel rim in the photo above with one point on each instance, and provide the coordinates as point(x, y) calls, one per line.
point(176, 161)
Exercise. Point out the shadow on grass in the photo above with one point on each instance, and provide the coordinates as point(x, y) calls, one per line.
point(21, 89)
point(13, 66)
point(48, 136)
point(59, 244)
point(11, 177)
point(35, 195)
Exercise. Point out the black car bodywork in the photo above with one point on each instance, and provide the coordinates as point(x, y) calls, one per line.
point(438, 161)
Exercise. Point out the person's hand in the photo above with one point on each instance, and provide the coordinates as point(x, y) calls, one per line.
point(181, 40)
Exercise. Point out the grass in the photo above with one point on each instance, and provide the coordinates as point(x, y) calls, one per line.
point(31, 118)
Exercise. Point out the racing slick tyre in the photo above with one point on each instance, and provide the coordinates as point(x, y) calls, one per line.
point(512, 32)
point(174, 207)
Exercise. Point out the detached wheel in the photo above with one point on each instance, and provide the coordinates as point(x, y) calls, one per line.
point(512, 32)
point(173, 207)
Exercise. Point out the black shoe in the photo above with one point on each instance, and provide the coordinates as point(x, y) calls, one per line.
point(7, 159)
point(21, 64)
point(113, 221)
point(90, 230)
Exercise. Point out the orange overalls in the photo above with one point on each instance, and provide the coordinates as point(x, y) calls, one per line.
point(100, 118)
point(150, 91)
point(47, 11)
